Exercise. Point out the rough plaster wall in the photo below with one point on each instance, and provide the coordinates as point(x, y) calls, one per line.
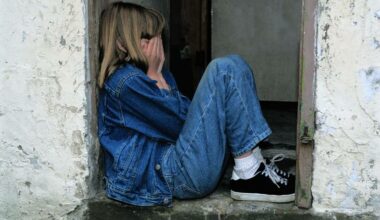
point(347, 150)
point(43, 159)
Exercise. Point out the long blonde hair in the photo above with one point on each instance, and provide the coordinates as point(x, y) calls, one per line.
point(126, 24)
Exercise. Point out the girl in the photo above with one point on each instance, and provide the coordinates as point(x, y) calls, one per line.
point(158, 144)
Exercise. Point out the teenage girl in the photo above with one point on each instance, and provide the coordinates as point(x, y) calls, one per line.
point(158, 144)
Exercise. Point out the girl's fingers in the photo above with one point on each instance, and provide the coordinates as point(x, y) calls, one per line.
point(151, 46)
point(157, 47)
point(162, 53)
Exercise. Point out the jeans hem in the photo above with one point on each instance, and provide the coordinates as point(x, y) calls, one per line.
point(136, 199)
point(249, 147)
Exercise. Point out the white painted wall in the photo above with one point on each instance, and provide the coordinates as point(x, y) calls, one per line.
point(347, 152)
point(43, 155)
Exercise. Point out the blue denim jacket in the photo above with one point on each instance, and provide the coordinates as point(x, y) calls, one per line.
point(137, 124)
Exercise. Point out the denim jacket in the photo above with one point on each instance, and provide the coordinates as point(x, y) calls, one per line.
point(137, 124)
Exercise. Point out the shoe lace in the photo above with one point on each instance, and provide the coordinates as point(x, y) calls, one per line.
point(272, 165)
point(270, 171)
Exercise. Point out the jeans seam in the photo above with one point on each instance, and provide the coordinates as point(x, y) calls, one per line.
point(244, 106)
point(188, 188)
point(204, 113)
point(199, 124)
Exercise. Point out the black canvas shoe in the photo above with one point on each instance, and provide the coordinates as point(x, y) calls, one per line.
point(267, 186)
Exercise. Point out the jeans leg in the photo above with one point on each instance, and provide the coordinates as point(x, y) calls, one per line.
point(224, 116)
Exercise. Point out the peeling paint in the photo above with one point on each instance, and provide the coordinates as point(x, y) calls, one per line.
point(23, 36)
point(27, 183)
point(34, 161)
point(370, 79)
point(377, 14)
point(62, 41)
point(325, 31)
point(371, 163)
point(376, 43)
point(22, 150)
point(77, 145)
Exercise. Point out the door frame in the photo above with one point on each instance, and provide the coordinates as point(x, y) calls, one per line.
point(306, 105)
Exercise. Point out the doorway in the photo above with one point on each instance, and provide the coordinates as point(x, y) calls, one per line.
point(275, 37)
point(195, 38)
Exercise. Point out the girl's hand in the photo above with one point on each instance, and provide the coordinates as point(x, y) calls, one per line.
point(154, 52)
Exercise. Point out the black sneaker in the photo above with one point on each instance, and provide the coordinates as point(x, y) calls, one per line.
point(267, 186)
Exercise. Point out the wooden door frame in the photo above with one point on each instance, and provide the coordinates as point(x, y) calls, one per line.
point(306, 105)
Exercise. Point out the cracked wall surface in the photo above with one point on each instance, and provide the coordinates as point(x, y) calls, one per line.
point(43, 159)
point(347, 149)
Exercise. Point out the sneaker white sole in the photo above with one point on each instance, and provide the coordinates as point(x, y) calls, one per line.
point(262, 197)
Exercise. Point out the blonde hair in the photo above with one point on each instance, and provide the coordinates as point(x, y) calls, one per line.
point(126, 24)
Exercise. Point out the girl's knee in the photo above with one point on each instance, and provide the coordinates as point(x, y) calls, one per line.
point(230, 62)
point(221, 62)
point(229, 67)
point(236, 57)
point(240, 61)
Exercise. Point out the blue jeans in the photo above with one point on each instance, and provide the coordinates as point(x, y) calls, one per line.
point(224, 117)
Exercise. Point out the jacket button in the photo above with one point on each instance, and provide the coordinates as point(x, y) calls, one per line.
point(166, 200)
point(158, 167)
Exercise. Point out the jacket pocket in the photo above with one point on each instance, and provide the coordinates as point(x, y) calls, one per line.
point(125, 167)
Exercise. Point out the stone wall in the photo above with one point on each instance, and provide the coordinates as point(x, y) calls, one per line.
point(43, 159)
point(347, 151)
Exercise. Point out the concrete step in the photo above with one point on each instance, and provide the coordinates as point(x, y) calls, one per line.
point(218, 205)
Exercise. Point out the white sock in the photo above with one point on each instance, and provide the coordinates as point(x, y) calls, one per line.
point(245, 168)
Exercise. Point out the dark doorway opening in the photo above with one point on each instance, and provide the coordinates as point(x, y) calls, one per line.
point(190, 37)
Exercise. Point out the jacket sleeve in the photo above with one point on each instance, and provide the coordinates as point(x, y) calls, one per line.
point(152, 111)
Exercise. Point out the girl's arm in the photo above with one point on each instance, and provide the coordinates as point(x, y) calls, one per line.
point(148, 111)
